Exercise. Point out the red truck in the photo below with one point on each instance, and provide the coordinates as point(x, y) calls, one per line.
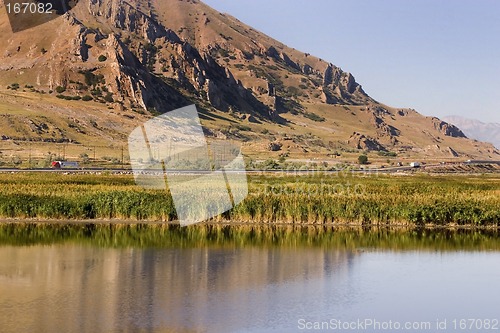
point(64, 165)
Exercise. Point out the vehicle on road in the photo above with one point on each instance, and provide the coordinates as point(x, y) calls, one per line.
point(64, 165)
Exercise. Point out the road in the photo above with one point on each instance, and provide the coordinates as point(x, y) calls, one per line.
point(129, 171)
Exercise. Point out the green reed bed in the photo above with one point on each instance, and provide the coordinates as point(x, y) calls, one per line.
point(174, 236)
point(375, 199)
point(318, 199)
point(81, 197)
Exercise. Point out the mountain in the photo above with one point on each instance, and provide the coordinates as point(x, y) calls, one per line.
point(475, 129)
point(90, 75)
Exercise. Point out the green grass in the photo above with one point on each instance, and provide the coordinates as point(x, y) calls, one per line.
point(320, 199)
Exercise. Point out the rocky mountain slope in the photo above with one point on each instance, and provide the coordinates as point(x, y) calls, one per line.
point(475, 129)
point(118, 63)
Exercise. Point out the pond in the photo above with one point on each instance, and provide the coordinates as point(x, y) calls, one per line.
point(85, 286)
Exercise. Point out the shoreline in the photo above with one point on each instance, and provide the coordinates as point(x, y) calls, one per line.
point(339, 225)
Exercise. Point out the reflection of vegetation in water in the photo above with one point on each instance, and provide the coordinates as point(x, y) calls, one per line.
point(322, 198)
point(170, 235)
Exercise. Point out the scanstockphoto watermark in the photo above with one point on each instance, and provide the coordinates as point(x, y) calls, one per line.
point(336, 180)
point(171, 152)
point(375, 325)
point(339, 171)
point(321, 188)
point(367, 324)
point(340, 180)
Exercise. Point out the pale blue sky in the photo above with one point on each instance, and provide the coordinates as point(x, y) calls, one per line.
point(440, 57)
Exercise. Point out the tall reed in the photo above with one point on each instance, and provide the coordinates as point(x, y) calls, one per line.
point(318, 199)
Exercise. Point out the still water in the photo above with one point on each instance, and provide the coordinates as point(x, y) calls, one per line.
point(74, 287)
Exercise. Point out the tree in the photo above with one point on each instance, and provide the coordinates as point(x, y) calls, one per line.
point(363, 159)
point(16, 160)
point(270, 164)
point(85, 158)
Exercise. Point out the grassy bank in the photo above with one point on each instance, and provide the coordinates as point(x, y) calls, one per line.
point(174, 236)
point(318, 199)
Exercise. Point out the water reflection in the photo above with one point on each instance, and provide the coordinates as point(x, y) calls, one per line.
point(84, 287)
point(174, 236)
point(80, 288)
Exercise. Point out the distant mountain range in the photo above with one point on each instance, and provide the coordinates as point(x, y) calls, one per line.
point(475, 129)
point(95, 72)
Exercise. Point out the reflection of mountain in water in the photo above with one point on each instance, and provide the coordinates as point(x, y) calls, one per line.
point(73, 288)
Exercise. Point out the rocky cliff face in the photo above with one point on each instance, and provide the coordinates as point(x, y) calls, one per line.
point(142, 63)
point(159, 48)
point(360, 141)
point(150, 66)
point(447, 129)
point(342, 86)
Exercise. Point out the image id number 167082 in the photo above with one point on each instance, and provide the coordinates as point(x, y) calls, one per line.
point(29, 8)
